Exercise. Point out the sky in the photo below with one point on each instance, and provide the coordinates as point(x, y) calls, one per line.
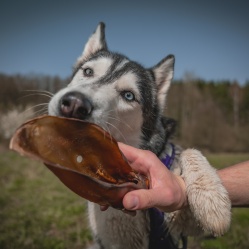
point(210, 39)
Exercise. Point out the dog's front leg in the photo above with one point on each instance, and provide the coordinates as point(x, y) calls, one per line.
point(209, 205)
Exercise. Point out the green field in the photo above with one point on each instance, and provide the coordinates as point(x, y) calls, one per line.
point(37, 211)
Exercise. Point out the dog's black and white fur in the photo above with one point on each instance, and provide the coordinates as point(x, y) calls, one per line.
point(128, 101)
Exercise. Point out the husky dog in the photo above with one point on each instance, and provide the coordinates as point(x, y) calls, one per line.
point(128, 101)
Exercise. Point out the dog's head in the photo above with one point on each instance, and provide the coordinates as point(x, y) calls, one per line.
point(116, 93)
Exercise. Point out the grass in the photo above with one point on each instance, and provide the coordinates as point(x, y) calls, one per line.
point(37, 211)
point(223, 160)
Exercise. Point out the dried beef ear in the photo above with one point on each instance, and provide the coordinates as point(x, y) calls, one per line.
point(82, 155)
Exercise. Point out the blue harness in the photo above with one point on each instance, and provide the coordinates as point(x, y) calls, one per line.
point(159, 236)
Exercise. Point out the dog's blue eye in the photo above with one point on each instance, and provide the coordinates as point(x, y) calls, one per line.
point(88, 72)
point(129, 96)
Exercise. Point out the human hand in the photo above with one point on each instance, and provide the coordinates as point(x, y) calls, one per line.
point(167, 191)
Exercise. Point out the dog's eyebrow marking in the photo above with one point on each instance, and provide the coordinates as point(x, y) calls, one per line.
point(79, 159)
point(121, 64)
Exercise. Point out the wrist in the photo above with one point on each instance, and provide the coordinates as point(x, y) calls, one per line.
point(182, 193)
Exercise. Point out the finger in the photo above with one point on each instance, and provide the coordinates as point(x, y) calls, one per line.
point(104, 208)
point(140, 199)
point(136, 157)
point(131, 153)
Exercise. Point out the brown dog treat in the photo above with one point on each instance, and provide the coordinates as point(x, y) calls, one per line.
point(82, 155)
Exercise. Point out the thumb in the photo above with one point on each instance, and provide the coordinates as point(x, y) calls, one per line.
point(139, 199)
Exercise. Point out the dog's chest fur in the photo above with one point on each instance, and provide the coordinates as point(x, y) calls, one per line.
point(114, 229)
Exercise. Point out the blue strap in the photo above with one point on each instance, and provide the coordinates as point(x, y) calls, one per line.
point(159, 236)
point(170, 156)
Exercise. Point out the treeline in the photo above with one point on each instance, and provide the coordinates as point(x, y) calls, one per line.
point(19, 90)
point(212, 116)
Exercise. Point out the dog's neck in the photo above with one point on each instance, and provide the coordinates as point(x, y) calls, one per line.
point(158, 141)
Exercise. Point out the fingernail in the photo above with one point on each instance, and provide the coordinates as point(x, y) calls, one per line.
point(132, 203)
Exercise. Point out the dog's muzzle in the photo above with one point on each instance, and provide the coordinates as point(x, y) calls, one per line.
point(75, 105)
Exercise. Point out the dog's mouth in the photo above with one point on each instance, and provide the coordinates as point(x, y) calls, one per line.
point(82, 155)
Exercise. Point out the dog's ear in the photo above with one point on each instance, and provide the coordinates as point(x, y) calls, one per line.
point(95, 43)
point(164, 72)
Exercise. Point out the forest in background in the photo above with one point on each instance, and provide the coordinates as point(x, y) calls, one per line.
point(211, 116)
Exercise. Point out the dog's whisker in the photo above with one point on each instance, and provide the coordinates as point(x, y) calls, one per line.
point(37, 94)
point(107, 129)
point(40, 91)
point(44, 93)
point(110, 124)
point(112, 110)
point(119, 120)
point(33, 108)
point(42, 111)
point(104, 127)
point(42, 104)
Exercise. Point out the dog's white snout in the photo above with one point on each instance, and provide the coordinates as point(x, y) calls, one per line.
point(75, 105)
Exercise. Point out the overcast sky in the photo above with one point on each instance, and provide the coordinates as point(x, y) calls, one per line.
point(208, 38)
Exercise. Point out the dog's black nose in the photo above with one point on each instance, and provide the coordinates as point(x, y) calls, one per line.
point(75, 105)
